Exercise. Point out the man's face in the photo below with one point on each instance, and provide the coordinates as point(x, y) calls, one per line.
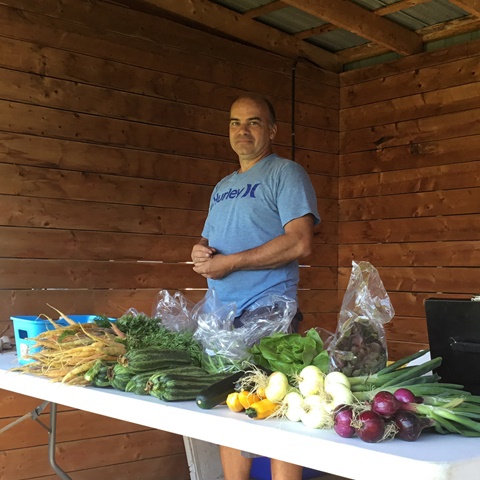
point(251, 132)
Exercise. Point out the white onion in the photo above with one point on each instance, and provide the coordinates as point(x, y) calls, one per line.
point(337, 377)
point(311, 381)
point(315, 418)
point(341, 395)
point(277, 387)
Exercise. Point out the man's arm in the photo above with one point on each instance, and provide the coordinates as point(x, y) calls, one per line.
point(297, 242)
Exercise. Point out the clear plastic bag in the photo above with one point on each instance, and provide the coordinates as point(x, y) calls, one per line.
point(175, 312)
point(359, 346)
point(226, 346)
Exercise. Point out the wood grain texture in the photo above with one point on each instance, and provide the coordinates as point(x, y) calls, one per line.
point(113, 132)
point(409, 183)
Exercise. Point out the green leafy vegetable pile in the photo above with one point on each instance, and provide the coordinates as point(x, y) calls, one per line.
point(289, 353)
point(143, 331)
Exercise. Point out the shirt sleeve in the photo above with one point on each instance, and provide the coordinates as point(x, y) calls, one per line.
point(296, 196)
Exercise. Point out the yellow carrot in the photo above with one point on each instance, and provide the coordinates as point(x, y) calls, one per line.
point(82, 368)
point(63, 316)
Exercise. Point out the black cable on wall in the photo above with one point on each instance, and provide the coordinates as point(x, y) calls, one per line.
point(292, 126)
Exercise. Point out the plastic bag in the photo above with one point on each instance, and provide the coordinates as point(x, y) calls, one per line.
point(226, 347)
point(175, 312)
point(359, 346)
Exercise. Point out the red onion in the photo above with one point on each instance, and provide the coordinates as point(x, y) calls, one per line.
point(385, 404)
point(371, 427)
point(410, 425)
point(404, 395)
point(343, 421)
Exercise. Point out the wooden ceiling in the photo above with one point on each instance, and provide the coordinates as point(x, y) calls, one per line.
point(381, 30)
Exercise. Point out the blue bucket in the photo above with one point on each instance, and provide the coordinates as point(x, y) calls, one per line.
point(261, 470)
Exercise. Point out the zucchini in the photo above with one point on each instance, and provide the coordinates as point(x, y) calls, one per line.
point(153, 358)
point(172, 387)
point(138, 383)
point(217, 393)
point(119, 376)
point(101, 378)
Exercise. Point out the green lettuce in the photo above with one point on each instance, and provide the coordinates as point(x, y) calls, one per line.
point(289, 353)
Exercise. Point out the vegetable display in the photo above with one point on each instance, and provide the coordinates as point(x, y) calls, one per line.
point(289, 379)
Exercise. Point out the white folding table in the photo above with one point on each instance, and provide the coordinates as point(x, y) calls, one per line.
point(431, 457)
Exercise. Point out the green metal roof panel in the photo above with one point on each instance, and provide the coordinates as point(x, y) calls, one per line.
point(337, 40)
point(291, 20)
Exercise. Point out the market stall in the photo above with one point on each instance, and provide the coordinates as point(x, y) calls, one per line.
point(432, 456)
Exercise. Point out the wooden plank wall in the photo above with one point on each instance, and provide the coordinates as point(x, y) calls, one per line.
point(113, 131)
point(409, 191)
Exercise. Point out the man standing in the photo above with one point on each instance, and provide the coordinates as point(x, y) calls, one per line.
point(260, 222)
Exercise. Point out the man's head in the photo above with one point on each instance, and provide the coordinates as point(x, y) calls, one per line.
point(252, 127)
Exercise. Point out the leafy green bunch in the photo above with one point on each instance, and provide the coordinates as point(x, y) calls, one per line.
point(289, 353)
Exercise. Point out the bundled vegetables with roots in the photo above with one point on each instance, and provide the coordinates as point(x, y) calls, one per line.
point(401, 401)
point(68, 351)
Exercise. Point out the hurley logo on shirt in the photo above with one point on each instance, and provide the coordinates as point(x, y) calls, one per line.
point(248, 191)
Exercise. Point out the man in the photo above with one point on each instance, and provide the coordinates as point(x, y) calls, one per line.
point(259, 224)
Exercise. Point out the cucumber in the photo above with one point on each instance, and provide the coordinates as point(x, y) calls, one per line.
point(217, 393)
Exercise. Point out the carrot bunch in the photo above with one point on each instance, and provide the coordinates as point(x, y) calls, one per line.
point(68, 351)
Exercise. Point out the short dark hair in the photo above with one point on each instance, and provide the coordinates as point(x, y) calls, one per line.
point(260, 99)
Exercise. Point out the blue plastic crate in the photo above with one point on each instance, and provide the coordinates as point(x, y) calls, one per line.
point(27, 327)
point(261, 470)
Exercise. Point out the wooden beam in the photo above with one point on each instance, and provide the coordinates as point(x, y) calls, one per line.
point(362, 22)
point(470, 6)
point(264, 9)
point(247, 30)
point(326, 27)
point(450, 29)
point(431, 33)
point(397, 6)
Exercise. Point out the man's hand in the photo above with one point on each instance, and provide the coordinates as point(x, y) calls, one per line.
point(201, 252)
point(216, 267)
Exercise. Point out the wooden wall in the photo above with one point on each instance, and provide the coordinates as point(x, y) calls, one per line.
point(113, 131)
point(409, 189)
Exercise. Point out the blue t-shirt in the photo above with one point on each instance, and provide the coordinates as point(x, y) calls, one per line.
point(249, 209)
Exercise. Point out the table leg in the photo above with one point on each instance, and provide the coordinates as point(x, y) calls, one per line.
point(52, 431)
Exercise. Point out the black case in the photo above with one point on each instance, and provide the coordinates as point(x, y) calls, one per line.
point(454, 334)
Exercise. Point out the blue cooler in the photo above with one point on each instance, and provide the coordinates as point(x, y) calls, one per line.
point(261, 470)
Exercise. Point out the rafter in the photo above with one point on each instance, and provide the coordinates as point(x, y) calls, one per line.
point(326, 27)
point(364, 23)
point(397, 6)
point(470, 6)
point(264, 9)
point(429, 34)
point(248, 30)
